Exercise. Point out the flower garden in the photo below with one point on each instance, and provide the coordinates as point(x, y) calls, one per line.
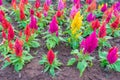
point(63, 40)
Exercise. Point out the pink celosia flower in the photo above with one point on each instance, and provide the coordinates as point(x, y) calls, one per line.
point(37, 4)
point(73, 12)
point(90, 43)
point(104, 7)
point(0, 2)
point(53, 26)
point(48, 2)
point(91, 17)
point(61, 5)
point(112, 55)
point(102, 31)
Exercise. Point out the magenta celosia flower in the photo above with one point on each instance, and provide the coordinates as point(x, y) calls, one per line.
point(0, 2)
point(117, 6)
point(104, 8)
point(73, 11)
point(33, 22)
point(53, 26)
point(90, 43)
point(31, 12)
point(48, 2)
point(91, 17)
point(112, 55)
point(61, 5)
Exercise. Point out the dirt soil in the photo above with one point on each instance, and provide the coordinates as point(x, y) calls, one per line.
point(34, 71)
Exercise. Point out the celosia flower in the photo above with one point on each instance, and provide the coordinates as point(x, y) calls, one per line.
point(77, 3)
point(33, 23)
point(76, 23)
point(48, 2)
point(20, 33)
point(112, 55)
point(90, 43)
point(5, 24)
point(2, 15)
point(18, 48)
point(61, 5)
point(92, 6)
point(73, 12)
point(115, 24)
point(95, 24)
point(39, 14)
point(10, 44)
point(45, 7)
point(37, 4)
point(108, 17)
point(0, 2)
point(90, 17)
point(59, 13)
point(31, 12)
point(117, 6)
point(22, 14)
point(50, 56)
point(88, 1)
point(53, 26)
point(102, 31)
point(10, 33)
point(104, 7)
point(27, 32)
point(3, 34)
point(14, 4)
point(25, 1)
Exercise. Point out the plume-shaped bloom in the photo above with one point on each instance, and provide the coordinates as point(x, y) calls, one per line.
point(48, 2)
point(117, 6)
point(95, 24)
point(59, 13)
point(5, 24)
point(90, 43)
point(53, 26)
point(14, 4)
point(92, 6)
point(104, 7)
point(77, 3)
point(91, 17)
point(37, 4)
point(10, 44)
point(0, 2)
point(27, 32)
point(22, 14)
point(60, 5)
point(50, 56)
point(18, 48)
point(39, 14)
point(102, 31)
point(31, 12)
point(76, 23)
point(10, 33)
point(112, 55)
point(24, 1)
point(73, 12)
point(115, 24)
point(3, 34)
point(33, 23)
point(88, 1)
point(45, 9)
point(2, 15)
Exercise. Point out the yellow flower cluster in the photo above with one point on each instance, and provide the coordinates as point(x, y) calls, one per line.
point(76, 23)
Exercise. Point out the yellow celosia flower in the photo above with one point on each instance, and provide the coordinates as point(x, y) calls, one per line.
point(100, 6)
point(76, 23)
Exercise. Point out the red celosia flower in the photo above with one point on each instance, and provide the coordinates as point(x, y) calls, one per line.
point(3, 34)
point(37, 4)
point(31, 12)
point(22, 14)
point(45, 7)
point(10, 44)
point(102, 31)
point(18, 48)
point(88, 1)
point(14, 4)
point(10, 33)
point(95, 24)
point(27, 32)
point(5, 24)
point(39, 14)
point(112, 55)
point(59, 13)
point(24, 1)
point(115, 24)
point(50, 56)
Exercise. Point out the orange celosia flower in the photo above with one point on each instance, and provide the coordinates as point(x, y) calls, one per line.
point(92, 6)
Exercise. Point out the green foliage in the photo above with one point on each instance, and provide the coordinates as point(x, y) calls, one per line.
point(83, 60)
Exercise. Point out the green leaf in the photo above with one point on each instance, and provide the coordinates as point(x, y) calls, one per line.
point(52, 71)
point(71, 61)
point(35, 44)
point(5, 64)
point(82, 66)
point(18, 67)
